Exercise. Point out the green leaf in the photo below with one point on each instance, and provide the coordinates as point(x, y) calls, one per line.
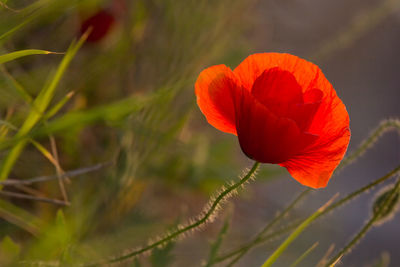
point(61, 227)
point(54, 241)
point(106, 113)
point(9, 249)
point(22, 53)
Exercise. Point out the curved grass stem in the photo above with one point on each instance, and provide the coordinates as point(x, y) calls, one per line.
point(366, 227)
point(245, 248)
point(293, 236)
point(384, 126)
point(332, 207)
point(304, 255)
point(206, 216)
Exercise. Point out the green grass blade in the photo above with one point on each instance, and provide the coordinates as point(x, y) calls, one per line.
point(25, 16)
point(39, 105)
point(240, 252)
point(9, 249)
point(42, 101)
point(18, 26)
point(19, 217)
point(304, 255)
point(293, 236)
point(106, 113)
point(217, 244)
point(377, 214)
point(22, 53)
point(17, 86)
point(8, 125)
point(58, 106)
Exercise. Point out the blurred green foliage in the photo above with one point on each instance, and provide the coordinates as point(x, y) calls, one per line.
point(127, 99)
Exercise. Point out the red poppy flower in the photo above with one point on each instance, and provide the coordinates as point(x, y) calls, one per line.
point(283, 110)
point(101, 23)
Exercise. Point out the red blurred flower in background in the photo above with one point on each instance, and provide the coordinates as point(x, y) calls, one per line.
point(100, 23)
point(283, 110)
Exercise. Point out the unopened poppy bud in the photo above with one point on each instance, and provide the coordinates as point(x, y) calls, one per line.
point(100, 23)
point(386, 204)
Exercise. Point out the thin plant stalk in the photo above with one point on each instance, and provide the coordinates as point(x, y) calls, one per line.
point(304, 255)
point(65, 175)
point(295, 234)
point(244, 249)
point(366, 227)
point(332, 207)
point(384, 127)
point(208, 214)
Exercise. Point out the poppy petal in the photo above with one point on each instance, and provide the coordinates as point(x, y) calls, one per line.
point(314, 167)
point(214, 89)
point(309, 77)
point(312, 96)
point(101, 23)
point(303, 114)
point(263, 136)
point(277, 89)
point(315, 164)
point(285, 111)
point(307, 74)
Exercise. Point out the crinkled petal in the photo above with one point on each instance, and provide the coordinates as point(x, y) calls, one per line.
point(278, 90)
point(304, 113)
point(315, 166)
point(310, 78)
point(307, 74)
point(215, 87)
point(313, 96)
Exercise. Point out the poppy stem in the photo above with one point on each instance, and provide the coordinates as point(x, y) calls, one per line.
point(264, 238)
point(207, 215)
point(384, 127)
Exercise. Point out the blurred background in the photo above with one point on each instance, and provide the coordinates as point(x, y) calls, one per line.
point(127, 102)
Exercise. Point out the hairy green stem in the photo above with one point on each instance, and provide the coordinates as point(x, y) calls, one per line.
point(366, 227)
point(197, 223)
point(361, 190)
point(384, 127)
point(335, 205)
